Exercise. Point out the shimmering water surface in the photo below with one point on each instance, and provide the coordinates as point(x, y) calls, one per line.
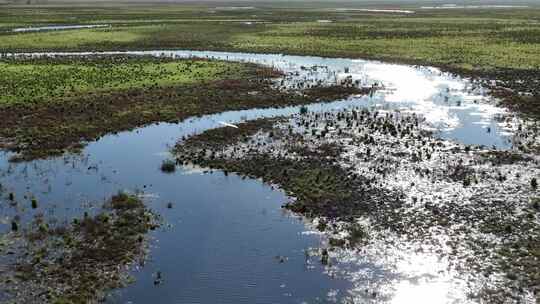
point(57, 28)
point(226, 239)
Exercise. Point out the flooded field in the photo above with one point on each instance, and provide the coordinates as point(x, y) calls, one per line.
point(225, 237)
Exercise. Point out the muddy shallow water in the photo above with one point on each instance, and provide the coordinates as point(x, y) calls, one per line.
point(226, 238)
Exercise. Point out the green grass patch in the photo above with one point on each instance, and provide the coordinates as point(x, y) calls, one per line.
point(475, 45)
point(46, 80)
point(70, 39)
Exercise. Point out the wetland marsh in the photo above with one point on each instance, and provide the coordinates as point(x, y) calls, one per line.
point(206, 175)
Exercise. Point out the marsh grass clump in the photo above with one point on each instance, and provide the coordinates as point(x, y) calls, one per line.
point(124, 201)
point(335, 242)
point(535, 204)
point(357, 234)
point(168, 166)
point(34, 203)
point(322, 225)
point(325, 257)
point(466, 181)
point(79, 261)
point(219, 137)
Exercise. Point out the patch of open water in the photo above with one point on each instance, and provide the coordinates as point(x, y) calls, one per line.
point(485, 6)
point(374, 10)
point(57, 28)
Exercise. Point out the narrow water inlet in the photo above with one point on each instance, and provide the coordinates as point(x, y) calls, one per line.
point(227, 237)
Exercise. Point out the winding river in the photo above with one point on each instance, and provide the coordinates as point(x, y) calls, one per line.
point(226, 239)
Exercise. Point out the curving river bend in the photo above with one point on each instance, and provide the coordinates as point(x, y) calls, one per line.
point(226, 239)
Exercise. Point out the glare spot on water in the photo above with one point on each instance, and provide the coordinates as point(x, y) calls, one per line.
point(421, 293)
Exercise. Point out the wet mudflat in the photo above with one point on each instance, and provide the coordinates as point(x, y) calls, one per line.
point(226, 237)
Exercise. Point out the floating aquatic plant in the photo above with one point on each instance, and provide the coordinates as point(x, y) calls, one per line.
point(168, 166)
